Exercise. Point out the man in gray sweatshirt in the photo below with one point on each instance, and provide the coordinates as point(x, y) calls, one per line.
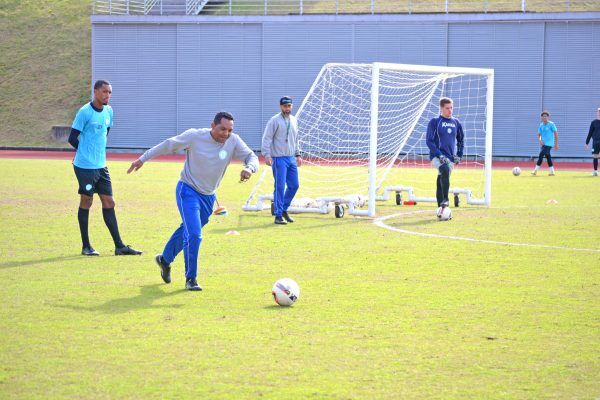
point(208, 154)
point(280, 149)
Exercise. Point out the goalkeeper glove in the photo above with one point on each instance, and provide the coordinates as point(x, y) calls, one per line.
point(444, 160)
point(456, 160)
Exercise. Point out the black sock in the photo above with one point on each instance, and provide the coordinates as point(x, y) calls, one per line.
point(595, 164)
point(83, 217)
point(439, 194)
point(110, 219)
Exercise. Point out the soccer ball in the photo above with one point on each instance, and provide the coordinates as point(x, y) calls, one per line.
point(444, 213)
point(516, 171)
point(286, 292)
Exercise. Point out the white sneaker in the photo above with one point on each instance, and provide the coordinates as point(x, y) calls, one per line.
point(595, 173)
point(551, 173)
point(534, 172)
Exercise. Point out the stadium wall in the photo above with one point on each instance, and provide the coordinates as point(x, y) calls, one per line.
point(171, 73)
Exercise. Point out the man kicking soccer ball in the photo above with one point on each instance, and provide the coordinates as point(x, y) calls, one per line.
point(444, 133)
point(208, 154)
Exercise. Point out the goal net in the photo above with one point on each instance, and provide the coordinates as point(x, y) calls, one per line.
point(362, 136)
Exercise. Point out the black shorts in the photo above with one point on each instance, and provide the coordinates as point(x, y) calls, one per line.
point(93, 181)
point(596, 147)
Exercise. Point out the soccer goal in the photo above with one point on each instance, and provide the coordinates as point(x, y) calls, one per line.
point(362, 131)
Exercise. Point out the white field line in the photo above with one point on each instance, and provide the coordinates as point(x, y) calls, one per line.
point(380, 222)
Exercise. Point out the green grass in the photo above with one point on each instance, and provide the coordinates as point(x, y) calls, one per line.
point(45, 54)
point(382, 315)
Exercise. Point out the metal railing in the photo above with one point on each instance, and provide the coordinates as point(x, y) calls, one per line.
point(301, 7)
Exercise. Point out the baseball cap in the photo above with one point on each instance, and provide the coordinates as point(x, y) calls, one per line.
point(285, 100)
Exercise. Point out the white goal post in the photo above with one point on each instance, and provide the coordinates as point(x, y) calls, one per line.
point(362, 130)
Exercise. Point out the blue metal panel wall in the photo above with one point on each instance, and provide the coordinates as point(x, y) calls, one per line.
point(571, 88)
point(293, 55)
point(407, 44)
point(515, 51)
point(219, 69)
point(139, 61)
point(170, 77)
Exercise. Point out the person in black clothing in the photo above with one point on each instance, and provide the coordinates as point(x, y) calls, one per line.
point(594, 134)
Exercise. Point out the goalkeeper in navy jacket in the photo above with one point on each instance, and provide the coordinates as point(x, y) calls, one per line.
point(594, 134)
point(445, 139)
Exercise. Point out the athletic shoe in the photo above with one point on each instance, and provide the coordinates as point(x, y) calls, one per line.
point(287, 217)
point(192, 284)
point(127, 251)
point(551, 174)
point(280, 221)
point(595, 173)
point(89, 251)
point(444, 204)
point(534, 172)
point(165, 268)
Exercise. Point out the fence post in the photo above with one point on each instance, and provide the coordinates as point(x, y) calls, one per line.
point(446, 5)
point(337, 7)
point(230, 7)
point(524, 5)
point(266, 1)
point(300, 3)
point(372, 6)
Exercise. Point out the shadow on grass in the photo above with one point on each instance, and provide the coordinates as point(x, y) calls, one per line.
point(15, 264)
point(418, 222)
point(144, 300)
point(275, 307)
point(297, 225)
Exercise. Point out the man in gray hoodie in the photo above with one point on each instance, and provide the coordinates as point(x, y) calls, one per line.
point(280, 149)
point(208, 154)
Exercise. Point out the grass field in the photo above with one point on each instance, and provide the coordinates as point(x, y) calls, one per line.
point(45, 70)
point(382, 315)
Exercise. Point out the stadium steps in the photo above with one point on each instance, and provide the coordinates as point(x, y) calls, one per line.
point(177, 7)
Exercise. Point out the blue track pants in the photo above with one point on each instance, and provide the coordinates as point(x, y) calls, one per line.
point(195, 210)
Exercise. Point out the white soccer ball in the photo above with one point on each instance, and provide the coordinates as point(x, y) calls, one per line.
point(286, 292)
point(444, 213)
point(516, 171)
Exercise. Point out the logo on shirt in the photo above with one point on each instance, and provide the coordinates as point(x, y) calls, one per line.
point(449, 130)
point(223, 154)
point(107, 121)
point(88, 187)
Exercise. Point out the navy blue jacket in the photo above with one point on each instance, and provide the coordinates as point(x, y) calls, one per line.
point(442, 136)
point(594, 132)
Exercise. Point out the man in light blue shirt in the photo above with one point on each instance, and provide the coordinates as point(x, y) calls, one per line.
point(548, 138)
point(88, 136)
